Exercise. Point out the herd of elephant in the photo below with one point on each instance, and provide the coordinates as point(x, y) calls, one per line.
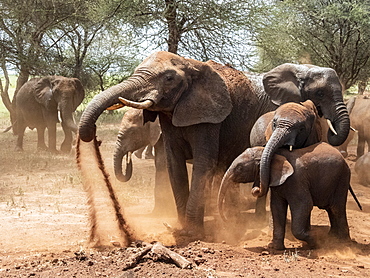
point(233, 127)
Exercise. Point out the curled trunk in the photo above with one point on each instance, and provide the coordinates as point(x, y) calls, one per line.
point(68, 120)
point(275, 142)
point(341, 125)
point(118, 159)
point(226, 183)
point(101, 102)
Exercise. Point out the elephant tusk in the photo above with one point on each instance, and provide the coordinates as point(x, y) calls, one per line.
point(59, 116)
point(331, 127)
point(290, 148)
point(139, 105)
point(128, 157)
point(353, 129)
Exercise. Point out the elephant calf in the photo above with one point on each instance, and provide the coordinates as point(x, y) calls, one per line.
point(316, 175)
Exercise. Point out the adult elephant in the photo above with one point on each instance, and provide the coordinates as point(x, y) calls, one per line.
point(37, 105)
point(134, 135)
point(362, 169)
point(206, 111)
point(359, 111)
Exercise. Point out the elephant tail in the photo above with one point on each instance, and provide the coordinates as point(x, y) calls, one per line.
point(355, 197)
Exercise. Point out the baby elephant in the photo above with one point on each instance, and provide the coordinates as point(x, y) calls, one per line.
point(316, 175)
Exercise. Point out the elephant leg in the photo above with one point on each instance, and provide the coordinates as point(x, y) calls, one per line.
point(41, 138)
point(361, 144)
point(338, 222)
point(179, 182)
point(67, 142)
point(279, 208)
point(20, 130)
point(205, 157)
point(52, 138)
point(301, 219)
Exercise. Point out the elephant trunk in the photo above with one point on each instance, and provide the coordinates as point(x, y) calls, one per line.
point(276, 141)
point(341, 125)
point(68, 120)
point(101, 102)
point(118, 157)
point(122, 150)
point(226, 183)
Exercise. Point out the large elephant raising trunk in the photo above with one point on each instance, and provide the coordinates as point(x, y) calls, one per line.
point(206, 113)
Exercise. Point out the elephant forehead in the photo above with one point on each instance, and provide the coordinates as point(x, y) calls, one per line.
point(292, 110)
point(159, 60)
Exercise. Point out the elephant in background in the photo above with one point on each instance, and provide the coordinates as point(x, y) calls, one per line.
point(298, 178)
point(37, 105)
point(135, 135)
point(362, 167)
point(359, 113)
point(206, 112)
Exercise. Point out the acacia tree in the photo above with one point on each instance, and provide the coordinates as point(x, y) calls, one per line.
point(201, 29)
point(328, 33)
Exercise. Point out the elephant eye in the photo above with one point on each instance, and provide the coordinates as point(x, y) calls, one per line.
point(274, 124)
point(320, 93)
point(169, 77)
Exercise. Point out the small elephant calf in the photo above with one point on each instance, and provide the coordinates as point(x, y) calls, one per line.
point(316, 175)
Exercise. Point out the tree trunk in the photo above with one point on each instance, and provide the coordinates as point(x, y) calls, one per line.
point(174, 27)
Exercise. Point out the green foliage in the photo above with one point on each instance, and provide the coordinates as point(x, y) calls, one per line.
point(328, 33)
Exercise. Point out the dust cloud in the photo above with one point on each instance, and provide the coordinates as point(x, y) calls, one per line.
point(107, 224)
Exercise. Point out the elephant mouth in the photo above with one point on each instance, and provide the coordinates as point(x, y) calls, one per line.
point(319, 111)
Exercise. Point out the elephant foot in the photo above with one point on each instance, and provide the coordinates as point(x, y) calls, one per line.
point(192, 235)
point(277, 245)
point(42, 147)
point(65, 148)
point(18, 149)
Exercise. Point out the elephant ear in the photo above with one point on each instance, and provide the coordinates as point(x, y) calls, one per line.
point(206, 100)
point(316, 134)
point(281, 169)
point(350, 104)
point(283, 84)
point(44, 93)
point(80, 92)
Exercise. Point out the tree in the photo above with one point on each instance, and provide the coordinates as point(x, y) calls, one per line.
point(328, 33)
point(200, 29)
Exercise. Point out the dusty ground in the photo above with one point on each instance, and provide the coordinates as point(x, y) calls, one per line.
point(44, 227)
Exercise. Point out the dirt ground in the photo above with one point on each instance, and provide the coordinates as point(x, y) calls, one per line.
point(44, 227)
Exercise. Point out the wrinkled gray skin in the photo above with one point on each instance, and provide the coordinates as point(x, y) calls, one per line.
point(134, 135)
point(300, 179)
point(362, 167)
point(359, 109)
point(37, 104)
point(206, 113)
point(293, 125)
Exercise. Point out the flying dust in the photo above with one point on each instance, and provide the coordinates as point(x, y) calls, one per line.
point(107, 225)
